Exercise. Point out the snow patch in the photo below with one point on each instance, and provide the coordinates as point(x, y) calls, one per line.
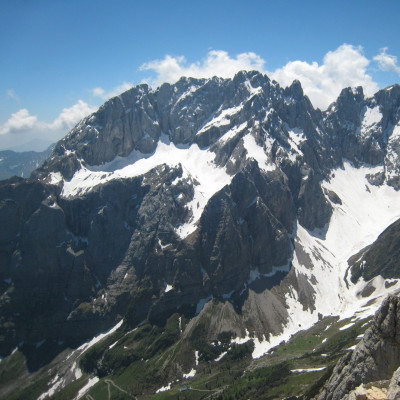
point(85, 389)
point(232, 133)
point(347, 326)
point(168, 287)
point(308, 370)
point(55, 178)
point(257, 152)
point(197, 164)
point(296, 138)
point(255, 273)
point(371, 117)
point(112, 345)
point(76, 371)
point(99, 337)
point(190, 374)
point(222, 119)
point(55, 383)
point(252, 90)
point(227, 296)
point(163, 246)
point(239, 340)
point(221, 356)
point(164, 388)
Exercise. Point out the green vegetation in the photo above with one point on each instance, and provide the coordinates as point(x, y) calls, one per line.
point(90, 358)
point(139, 362)
point(71, 390)
point(158, 350)
point(12, 368)
point(257, 384)
point(33, 391)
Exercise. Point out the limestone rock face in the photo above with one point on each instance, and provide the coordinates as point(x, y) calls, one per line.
point(314, 210)
point(375, 358)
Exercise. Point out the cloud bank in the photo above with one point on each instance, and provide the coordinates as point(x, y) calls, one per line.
point(344, 67)
point(322, 83)
point(22, 127)
point(217, 63)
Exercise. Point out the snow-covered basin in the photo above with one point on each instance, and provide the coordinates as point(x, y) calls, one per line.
point(196, 163)
point(366, 210)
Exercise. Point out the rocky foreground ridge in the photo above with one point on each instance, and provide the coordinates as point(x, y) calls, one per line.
point(374, 361)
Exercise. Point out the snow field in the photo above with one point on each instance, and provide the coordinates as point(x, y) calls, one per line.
point(365, 212)
point(197, 164)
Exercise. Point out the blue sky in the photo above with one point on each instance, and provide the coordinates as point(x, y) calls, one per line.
point(59, 60)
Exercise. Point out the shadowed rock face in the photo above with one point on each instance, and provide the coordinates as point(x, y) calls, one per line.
point(73, 266)
point(380, 258)
point(84, 259)
point(375, 358)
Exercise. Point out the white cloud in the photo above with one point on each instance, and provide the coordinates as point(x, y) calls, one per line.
point(100, 92)
point(69, 117)
point(344, 67)
point(19, 121)
point(387, 62)
point(22, 127)
point(12, 95)
point(216, 63)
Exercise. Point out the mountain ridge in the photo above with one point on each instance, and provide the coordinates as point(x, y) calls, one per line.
point(223, 190)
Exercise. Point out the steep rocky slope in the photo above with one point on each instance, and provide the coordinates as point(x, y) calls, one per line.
point(375, 358)
point(381, 258)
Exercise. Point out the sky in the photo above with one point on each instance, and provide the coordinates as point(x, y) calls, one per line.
point(61, 59)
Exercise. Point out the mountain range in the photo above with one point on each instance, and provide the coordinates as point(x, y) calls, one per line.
point(21, 164)
point(208, 220)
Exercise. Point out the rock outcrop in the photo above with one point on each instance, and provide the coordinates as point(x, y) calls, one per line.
point(375, 358)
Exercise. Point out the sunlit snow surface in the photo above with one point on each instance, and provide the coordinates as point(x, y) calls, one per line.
point(365, 212)
point(164, 388)
point(222, 119)
point(197, 164)
point(370, 118)
point(307, 370)
point(190, 374)
point(257, 152)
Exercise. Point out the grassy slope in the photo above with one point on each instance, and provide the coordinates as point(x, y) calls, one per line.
point(141, 361)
